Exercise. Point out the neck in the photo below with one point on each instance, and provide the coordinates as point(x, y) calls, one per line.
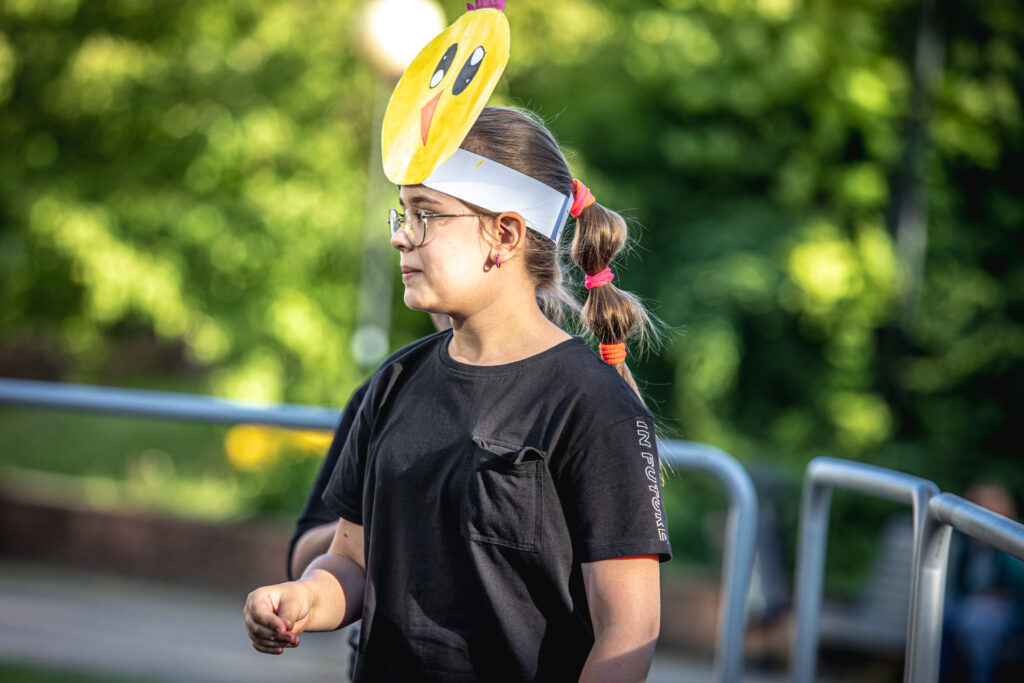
point(503, 332)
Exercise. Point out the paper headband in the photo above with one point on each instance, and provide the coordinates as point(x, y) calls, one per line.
point(495, 187)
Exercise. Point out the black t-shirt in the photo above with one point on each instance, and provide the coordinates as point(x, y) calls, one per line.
point(481, 490)
point(314, 512)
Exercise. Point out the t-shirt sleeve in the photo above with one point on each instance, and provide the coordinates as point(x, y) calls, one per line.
point(314, 512)
point(611, 494)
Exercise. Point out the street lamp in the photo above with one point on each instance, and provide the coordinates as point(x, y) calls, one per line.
point(390, 33)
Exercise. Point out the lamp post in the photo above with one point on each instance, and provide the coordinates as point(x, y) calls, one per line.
point(390, 33)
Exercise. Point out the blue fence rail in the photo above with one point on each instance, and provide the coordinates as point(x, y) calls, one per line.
point(822, 476)
point(739, 546)
point(741, 531)
point(164, 404)
point(946, 512)
point(935, 515)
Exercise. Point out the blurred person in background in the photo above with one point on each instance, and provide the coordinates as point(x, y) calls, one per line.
point(983, 629)
point(315, 527)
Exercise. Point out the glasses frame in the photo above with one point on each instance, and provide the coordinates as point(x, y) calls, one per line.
point(398, 220)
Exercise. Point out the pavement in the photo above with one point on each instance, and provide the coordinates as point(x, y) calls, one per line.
point(100, 624)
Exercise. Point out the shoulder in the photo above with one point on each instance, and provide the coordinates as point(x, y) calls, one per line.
point(589, 396)
point(605, 389)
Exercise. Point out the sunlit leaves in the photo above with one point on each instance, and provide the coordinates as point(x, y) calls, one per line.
point(7, 66)
point(199, 170)
point(209, 154)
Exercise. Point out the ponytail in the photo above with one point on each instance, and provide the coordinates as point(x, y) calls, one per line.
point(611, 315)
point(517, 139)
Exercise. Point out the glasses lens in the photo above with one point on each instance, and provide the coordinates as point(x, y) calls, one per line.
point(416, 226)
point(394, 220)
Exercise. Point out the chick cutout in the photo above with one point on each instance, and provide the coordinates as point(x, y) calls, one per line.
point(442, 93)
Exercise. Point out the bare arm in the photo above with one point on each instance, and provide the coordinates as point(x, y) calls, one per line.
point(625, 607)
point(328, 596)
point(311, 545)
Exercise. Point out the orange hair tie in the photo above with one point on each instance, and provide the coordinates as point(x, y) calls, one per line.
point(613, 354)
point(582, 198)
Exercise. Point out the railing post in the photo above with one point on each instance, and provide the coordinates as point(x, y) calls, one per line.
point(944, 513)
point(740, 544)
point(823, 475)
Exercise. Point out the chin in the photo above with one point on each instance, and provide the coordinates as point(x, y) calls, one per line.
point(416, 303)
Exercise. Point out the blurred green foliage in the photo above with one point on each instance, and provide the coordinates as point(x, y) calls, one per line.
point(195, 173)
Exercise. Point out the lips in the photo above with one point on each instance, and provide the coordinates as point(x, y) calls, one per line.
point(426, 116)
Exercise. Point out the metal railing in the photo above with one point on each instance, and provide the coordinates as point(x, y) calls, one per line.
point(164, 404)
point(741, 529)
point(947, 512)
point(823, 475)
point(934, 515)
point(740, 543)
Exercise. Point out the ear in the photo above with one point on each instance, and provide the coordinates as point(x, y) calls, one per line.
point(509, 235)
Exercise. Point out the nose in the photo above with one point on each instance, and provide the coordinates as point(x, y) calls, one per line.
point(400, 240)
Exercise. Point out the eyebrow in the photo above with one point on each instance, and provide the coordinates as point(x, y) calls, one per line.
point(420, 200)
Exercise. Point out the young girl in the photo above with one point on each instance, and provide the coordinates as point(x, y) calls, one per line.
point(498, 492)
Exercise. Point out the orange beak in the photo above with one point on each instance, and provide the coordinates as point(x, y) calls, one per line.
point(426, 116)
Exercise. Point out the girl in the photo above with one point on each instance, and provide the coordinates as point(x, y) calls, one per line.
point(498, 492)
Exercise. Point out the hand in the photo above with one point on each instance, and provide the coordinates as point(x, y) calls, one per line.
point(276, 615)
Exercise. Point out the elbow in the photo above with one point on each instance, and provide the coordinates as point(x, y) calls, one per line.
point(648, 630)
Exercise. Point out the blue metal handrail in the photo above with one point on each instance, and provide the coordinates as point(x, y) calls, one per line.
point(823, 475)
point(163, 404)
point(947, 512)
point(740, 545)
point(741, 529)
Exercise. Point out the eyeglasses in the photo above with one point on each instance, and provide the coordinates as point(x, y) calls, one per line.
point(415, 222)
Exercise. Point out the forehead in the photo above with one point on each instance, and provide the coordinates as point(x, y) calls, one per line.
point(426, 198)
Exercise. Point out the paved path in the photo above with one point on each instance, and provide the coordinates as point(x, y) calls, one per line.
point(100, 624)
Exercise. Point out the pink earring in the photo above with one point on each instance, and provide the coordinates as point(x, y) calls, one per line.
point(497, 260)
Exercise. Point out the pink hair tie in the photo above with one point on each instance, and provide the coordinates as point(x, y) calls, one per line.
point(582, 198)
point(485, 4)
point(599, 279)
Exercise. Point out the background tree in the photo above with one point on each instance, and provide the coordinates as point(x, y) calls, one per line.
point(194, 173)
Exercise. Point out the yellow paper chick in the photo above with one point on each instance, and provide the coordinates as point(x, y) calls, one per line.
point(442, 93)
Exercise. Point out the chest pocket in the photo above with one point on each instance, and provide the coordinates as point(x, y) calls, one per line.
point(504, 495)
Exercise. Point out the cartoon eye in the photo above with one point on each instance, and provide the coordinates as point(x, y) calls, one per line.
point(468, 70)
point(442, 66)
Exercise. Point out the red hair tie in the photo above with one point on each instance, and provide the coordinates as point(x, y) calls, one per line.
point(598, 279)
point(613, 354)
point(582, 198)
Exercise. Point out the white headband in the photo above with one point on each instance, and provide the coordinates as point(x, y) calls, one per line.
point(492, 186)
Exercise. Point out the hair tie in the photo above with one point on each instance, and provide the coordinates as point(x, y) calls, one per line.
point(484, 4)
point(613, 354)
point(598, 279)
point(582, 198)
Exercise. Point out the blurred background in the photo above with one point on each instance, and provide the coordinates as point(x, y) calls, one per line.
point(827, 200)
